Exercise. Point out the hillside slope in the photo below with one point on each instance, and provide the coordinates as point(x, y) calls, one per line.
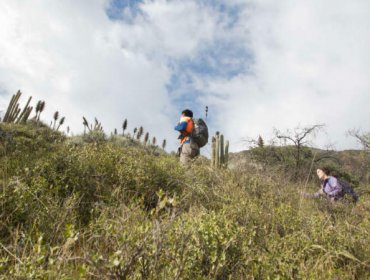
point(116, 209)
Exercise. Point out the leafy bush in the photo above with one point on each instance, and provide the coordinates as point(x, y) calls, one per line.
point(115, 211)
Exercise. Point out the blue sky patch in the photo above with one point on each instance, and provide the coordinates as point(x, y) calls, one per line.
point(116, 8)
point(230, 10)
point(221, 59)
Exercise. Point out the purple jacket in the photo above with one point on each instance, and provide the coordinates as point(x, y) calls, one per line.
point(331, 188)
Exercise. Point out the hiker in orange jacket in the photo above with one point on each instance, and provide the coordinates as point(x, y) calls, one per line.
point(188, 148)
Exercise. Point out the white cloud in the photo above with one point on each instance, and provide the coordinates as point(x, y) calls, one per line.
point(174, 28)
point(311, 65)
point(308, 63)
point(84, 64)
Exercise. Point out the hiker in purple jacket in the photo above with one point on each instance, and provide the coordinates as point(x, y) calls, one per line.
point(330, 187)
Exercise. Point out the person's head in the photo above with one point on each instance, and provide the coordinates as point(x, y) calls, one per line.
point(323, 173)
point(187, 113)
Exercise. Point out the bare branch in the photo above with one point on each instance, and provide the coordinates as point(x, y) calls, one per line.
point(309, 130)
point(363, 138)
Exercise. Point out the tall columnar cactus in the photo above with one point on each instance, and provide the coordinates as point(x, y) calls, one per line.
point(39, 109)
point(217, 154)
point(61, 121)
point(55, 117)
point(140, 133)
point(164, 143)
point(12, 107)
point(13, 113)
point(26, 115)
point(213, 151)
point(86, 124)
point(220, 151)
point(226, 160)
point(124, 126)
point(146, 138)
point(25, 112)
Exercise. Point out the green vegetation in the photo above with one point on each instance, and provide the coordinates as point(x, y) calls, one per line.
point(98, 207)
point(351, 165)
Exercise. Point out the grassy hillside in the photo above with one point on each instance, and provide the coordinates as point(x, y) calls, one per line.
point(110, 208)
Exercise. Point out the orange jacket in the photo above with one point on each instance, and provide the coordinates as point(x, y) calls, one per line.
point(185, 127)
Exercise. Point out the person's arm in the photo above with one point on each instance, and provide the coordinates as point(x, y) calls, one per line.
point(318, 194)
point(312, 195)
point(334, 188)
point(181, 126)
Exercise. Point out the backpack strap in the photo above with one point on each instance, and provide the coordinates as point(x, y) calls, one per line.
point(188, 130)
point(326, 181)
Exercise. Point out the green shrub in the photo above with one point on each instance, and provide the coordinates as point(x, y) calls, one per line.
point(107, 210)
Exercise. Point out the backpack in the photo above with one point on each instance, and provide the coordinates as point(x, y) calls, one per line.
point(347, 189)
point(200, 132)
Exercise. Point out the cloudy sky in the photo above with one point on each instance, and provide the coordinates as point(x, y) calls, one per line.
point(257, 64)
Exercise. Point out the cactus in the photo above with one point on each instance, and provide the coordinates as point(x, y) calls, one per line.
point(26, 115)
point(12, 107)
point(146, 138)
point(42, 107)
point(213, 151)
point(154, 141)
point(220, 151)
point(226, 154)
point(55, 117)
point(86, 123)
point(217, 154)
point(164, 143)
point(39, 109)
point(38, 106)
point(140, 133)
point(14, 114)
point(25, 111)
point(124, 126)
point(61, 121)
